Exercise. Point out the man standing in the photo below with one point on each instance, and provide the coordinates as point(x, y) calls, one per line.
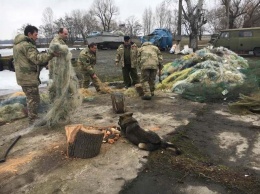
point(149, 59)
point(126, 56)
point(86, 62)
point(59, 38)
point(28, 62)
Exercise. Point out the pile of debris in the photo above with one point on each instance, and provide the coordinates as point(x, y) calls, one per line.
point(13, 107)
point(206, 75)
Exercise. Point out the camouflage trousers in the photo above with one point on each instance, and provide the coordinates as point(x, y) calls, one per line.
point(84, 82)
point(130, 76)
point(32, 100)
point(148, 77)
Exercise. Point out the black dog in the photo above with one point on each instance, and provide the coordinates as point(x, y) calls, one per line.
point(144, 139)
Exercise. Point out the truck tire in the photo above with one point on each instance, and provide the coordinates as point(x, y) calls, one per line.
point(11, 64)
point(1, 66)
point(257, 52)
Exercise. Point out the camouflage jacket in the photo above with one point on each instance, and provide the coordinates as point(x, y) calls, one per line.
point(57, 40)
point(86, 61)
point(52, 70)
point(27, 61)
point(149, 56)
point(133, 55)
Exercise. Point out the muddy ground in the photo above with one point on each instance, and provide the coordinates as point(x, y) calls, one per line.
point(220, 151)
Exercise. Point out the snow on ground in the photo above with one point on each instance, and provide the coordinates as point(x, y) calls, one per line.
point(9, 85)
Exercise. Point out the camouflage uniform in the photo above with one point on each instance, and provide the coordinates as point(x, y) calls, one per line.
point(86, 63)
point(56, 40)
point(129, 70)
point(27, 62)
point(149, 57)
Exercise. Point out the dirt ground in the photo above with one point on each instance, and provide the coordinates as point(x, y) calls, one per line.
point(220, 151)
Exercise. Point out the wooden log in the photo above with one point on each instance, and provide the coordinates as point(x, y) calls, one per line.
point(118, 102)
point(139, 89)
point(83, 143)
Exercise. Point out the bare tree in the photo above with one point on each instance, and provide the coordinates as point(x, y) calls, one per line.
point(91, 22)
point(252, 17)
point(67, 22)
point(80, 23)
point(237, 13)
point(163, 16)
point(105, 10)
point(147, 20)
point(132, 26)
point(48, 26)
point(245, 10)
point(216, 20)
point(194, 20)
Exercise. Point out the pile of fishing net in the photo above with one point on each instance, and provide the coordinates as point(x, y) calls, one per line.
point(63, 89)
point(207, 75)
point(246, 104)
point(13, 107)
point(12, 112)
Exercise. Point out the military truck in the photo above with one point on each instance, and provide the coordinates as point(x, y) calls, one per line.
point(241, 40)
point(105, 40)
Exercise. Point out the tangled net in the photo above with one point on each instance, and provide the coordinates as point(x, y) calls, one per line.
point(63, 89)
point(209, 75)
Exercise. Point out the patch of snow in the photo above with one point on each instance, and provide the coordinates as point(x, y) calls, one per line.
point(9, 85)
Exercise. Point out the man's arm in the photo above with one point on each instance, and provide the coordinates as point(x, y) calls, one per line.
point(118, 56)
point(86, 66)
point(38, 58)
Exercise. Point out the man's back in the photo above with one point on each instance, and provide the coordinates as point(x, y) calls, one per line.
point(149, 56)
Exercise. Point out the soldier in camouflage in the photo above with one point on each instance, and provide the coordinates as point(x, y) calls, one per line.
point(126, 56)
point(28, 62)
point(86, 62)
point(149, 58)
point(59, 38)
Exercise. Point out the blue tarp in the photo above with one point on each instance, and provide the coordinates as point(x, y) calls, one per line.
point(160, 37)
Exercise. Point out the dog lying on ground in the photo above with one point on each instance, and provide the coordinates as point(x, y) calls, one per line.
point(144, 139)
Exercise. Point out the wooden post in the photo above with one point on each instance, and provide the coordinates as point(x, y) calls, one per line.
point(118, 102)
point(81, 142)
point(139, 89)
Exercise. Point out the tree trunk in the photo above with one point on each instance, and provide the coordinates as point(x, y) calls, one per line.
point(193, 41)
point(118, 102)
point(139, 89)
point(83, 143)
point(84, 38)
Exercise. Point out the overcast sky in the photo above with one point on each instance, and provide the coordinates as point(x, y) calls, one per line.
point(15, 13)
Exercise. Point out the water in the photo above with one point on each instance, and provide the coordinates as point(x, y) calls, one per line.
point(2, 45)
point(9, 52)
point(6, 52)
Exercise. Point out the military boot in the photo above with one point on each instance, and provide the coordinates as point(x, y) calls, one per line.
point(146, 97)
